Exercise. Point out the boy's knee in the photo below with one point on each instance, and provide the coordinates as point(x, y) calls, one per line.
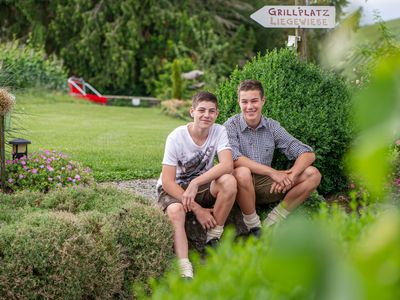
point(175, 212)
point(228, 183)
point(242, 175)
point(313, 175)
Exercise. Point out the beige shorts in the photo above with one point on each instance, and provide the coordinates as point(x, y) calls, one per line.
point(262, 186)
point(203, 197)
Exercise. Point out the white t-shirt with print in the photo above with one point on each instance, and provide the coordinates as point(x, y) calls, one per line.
point(190, 159)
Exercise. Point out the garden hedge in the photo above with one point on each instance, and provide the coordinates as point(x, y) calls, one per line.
point(80, 243)
point(312, 104)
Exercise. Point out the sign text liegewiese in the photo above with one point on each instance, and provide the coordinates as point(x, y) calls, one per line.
point(284, 16)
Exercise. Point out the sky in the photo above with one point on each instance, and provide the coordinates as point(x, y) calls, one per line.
point(389, 9)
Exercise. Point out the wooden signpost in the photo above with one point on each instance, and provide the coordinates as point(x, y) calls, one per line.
point(298, 17)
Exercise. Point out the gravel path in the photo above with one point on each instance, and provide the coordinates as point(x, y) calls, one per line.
point(141, 187)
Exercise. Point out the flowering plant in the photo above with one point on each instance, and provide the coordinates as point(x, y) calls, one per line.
point(44, 170)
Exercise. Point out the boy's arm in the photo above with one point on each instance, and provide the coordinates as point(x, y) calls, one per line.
point(225, 166)
point(169, 184)
point(203, 215)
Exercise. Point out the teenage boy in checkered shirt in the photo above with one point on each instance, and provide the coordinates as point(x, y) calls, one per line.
point(253, 139)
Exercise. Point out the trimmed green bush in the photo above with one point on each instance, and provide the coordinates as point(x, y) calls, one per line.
point(49, 255)
point(23, 66)
point(312, 104)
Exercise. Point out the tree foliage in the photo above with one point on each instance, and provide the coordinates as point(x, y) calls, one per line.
point(122, 46)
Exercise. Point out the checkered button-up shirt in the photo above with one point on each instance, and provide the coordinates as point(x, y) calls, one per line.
point(259, 144)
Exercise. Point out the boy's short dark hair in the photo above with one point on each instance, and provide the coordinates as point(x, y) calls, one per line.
point(204, 96)
point(250, 85)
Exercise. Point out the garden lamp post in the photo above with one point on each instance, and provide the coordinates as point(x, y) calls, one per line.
point(20, 148)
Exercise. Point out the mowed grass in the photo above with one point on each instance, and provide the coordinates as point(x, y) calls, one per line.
point(117, 143)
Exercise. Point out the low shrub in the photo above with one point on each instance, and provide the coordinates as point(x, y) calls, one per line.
point(311, 104)
point(45, 170)
point(131, 237)
point(23, 66)
point(50, 255)
point(177, 108)
point(146, 235)
point(81, 199)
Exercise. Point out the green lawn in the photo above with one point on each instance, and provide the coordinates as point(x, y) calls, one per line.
point(118, 143)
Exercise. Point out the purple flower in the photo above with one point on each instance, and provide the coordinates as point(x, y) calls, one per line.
point(73, 180)
point(23, 162)
point(41, 166)
point(8, 162)
point(50, 179)
point(34, 171)
point(10, 180)
point(77, 177)
point(69, 179)
point(69, 167)
point(20, 176)
point(50, 169)
point(47, 152)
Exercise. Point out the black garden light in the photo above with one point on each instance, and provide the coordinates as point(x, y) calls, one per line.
point(20, 148)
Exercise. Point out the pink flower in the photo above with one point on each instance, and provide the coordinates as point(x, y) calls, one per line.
point(10, 180)
point(69, 179)
point(50, 179)
point(69, 167)
point(50, 169)
point(77, 177)
point(34, 171)
point(47, 152)
point(23, 162)
point(58, 177)
point(20, 176)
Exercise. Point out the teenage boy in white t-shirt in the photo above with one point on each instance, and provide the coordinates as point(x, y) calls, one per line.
point(189, 180)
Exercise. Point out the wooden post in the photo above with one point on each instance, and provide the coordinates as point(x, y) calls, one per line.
point(2, 155)
point(302, 48)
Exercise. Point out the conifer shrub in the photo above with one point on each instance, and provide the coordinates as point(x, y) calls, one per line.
point(146, 235)
point(50, 255)
point(311, 104)
point(81, 199)
point(99, 241)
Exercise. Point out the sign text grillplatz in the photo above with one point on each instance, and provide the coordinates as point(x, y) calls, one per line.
point(285, 16)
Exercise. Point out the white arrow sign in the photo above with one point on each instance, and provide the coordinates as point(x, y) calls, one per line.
point(285, 16)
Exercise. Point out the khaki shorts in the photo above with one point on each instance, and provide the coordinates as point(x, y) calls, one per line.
point(262, 186)
point(203, 197)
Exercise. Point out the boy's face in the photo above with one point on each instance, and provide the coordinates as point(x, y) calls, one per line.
point(204, 114)
point(251, 104)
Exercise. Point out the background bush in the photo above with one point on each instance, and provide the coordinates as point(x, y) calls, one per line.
point(23, 66)
point(312, 104)
point(80, 243)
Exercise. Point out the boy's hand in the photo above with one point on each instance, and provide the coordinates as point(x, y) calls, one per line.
point(282, 181)
point(205, 217)
point(188, 196)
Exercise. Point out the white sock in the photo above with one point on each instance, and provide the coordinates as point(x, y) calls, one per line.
point(252, 220)
point(278, 214)
point(185, 267)
point(215, 232)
